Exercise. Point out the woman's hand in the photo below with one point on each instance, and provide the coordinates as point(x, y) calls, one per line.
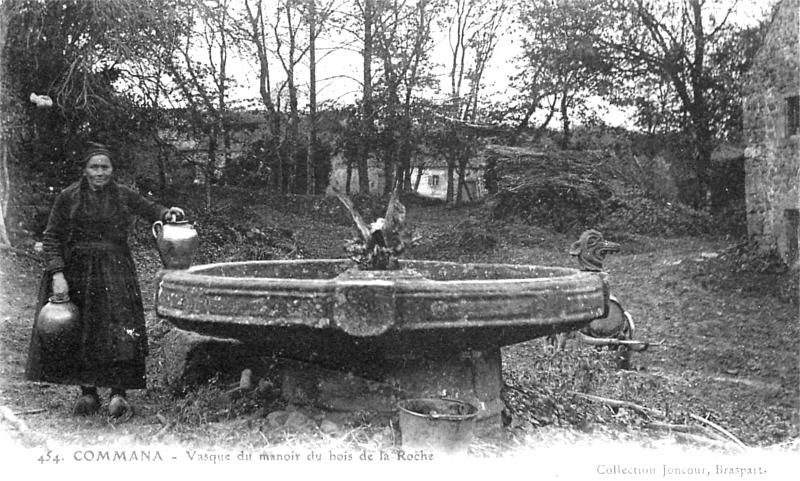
point(174, 214)
point(60, 286)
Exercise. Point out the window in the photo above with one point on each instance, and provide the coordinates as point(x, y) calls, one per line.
point(433, 180)
point(792, 115)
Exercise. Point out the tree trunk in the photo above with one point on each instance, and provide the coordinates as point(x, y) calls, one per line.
point(210, 166)
point(388, 168)
point(311, 181)
point(407, 176)
point(404, 151)
point(6, 122)
point(462, 181)
point(420, 170)
point(461, 20)
point(703, 137)
point(279, 177)
point(523, 124)
point(273, 123)
point(366, 105)
point(390, 145)
point(162, 170)
point(5, 184)
point(461, 174)
point(703, 148)
point(349, 177)
point(294, 132)
point(540, 130)
point(565, 139)
point(450, 180)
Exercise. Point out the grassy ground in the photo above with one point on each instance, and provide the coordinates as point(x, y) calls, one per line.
point(724, 380)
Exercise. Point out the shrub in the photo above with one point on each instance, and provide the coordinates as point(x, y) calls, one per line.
point(633, 212)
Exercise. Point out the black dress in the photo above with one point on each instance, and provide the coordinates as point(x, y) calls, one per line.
point(86, 239)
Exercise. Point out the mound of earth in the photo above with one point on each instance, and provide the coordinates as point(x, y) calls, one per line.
point(571, 191)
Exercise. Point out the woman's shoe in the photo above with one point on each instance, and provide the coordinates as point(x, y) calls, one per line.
point(119, 407)
point(87, 404)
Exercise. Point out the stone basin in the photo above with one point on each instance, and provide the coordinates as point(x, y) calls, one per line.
point(329, 312)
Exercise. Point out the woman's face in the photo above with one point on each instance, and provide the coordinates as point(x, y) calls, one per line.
point(98, 171)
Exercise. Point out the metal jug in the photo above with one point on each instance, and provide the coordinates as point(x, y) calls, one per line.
point(57, 322)
point(177, 243)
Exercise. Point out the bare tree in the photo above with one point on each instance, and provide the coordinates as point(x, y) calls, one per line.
point(147, 75)
point(311, 183)
point(8, 126)
point(403, 44)
point(317, 15)
point(473, 34)
point(368, 14)
point(290, 52)
point(203, 86)
point(257, 32)
point(473, 28)
point(459, 24)
point(483, 43)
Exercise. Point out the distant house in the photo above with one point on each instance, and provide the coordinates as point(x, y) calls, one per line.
point(772, 135)
point(433, 182)
point(432, 178)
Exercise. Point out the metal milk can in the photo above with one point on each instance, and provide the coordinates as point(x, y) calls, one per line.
point(57, 322)
point(177, 243)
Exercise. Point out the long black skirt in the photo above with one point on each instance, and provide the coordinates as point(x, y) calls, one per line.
point(109, 345)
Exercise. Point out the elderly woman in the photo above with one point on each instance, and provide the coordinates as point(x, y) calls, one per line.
point(87, 257)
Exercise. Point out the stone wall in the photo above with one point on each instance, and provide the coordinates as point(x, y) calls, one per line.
point(772, 161)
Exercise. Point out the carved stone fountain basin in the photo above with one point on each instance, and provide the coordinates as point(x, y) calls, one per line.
point(327, 309)
point(429, 329)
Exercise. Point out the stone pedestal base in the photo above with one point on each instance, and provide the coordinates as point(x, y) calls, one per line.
point(191, 359)
point(474, 377)
point(471, 376)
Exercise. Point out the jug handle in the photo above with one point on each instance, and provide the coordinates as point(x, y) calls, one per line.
point(161, 228)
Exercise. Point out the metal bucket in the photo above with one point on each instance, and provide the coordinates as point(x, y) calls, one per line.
point(444, 425)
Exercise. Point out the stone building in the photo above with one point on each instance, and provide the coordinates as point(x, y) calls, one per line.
point(431, 181)
point(772, 133)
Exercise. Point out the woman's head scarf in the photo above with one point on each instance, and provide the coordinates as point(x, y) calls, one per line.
point(96, 149)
